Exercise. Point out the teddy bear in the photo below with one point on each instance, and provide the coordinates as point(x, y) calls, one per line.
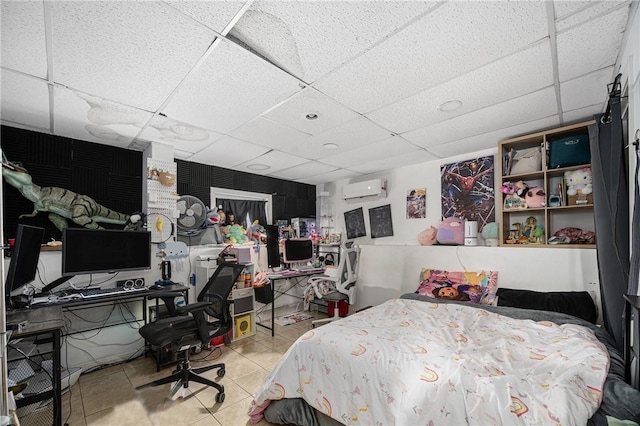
point(579, 181)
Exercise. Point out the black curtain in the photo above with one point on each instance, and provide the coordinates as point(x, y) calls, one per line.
point(255, 208)
point(611, 213)
point(634, 274)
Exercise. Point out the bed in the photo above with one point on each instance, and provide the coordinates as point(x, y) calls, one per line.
point(418, 360)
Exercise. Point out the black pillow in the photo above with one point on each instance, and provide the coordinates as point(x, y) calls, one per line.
point(576, 303)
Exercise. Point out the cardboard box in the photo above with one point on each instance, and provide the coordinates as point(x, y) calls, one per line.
point(580, 200)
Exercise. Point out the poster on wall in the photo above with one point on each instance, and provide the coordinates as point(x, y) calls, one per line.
point(468, 190)
point(417, 203)
point(380, 221)
point(354, 222)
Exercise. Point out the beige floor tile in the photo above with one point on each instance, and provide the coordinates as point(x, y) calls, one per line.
point(162, 411)
point(72, 408)
point(267, 360)
point(251, 382)
point(232, 392)
point(101, 373)
point(131, 412)
point(207, 421)
point(234, 414)
point(102, 399)
point(277, 343)
point(251, 347)
point(101, 384)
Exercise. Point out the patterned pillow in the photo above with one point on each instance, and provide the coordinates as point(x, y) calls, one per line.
point(475, 287)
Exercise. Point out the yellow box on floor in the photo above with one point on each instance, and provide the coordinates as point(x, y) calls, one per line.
point(243, 325)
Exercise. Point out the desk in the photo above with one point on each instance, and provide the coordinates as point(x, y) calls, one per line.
point(45, 325)
point(273, 278)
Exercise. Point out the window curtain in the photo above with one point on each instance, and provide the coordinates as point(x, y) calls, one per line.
point(611, 212)
point(240, 208)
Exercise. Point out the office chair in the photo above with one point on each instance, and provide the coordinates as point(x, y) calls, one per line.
point(344, 280)
point(209, 317)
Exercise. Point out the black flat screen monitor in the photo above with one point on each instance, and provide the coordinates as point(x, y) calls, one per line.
point(273, 246)
point(24, 258)
point(89, 251)
point(297, 250)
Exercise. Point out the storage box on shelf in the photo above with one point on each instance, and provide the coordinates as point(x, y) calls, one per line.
point(532, 217)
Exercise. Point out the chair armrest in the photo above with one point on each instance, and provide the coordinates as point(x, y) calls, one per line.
point(315, 280)
point(169, 299)
point(192, 307)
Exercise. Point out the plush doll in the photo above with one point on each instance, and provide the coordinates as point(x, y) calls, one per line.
point(236, 234)
point(490, 234)
point(519, 188)
point(579, 181)
point(535, 197)
point(428, 236)
point(256, 232)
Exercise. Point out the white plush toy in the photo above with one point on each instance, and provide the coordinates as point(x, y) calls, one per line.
point(578, 181)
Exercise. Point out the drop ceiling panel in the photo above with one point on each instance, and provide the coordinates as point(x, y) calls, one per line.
point(23, 37)
point(270, 134)
point(336, 175)
point(131, 52)
point(90, 118)
point(25, 101)
point(565, 8)
point(214, 14)
point(381, 150)
point(276, 160)
point(595, 10)
point(583, 114)
point(518, 74)
point(311, 38)
point(311, 168)
point(591, 46)
point(182, 136)
point(524, 109)
point(588, 90)
point(404, 159)
point(293, 112)
point(435, 49)
point(231, 87)
point(490, 140)
point(228, 152)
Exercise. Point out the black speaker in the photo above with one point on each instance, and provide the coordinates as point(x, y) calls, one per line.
point(131, 283)
point(273, 250)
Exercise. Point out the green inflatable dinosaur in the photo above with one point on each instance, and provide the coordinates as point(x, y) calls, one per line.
point(60, 203)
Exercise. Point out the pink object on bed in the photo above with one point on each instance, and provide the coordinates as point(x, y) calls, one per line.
point(475, 287)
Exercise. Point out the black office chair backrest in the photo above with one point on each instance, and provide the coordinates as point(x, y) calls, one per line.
point(218, 288)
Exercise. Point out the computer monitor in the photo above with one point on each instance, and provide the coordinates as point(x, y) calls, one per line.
point(297, 250)
point(90, 251)
point(24, 258)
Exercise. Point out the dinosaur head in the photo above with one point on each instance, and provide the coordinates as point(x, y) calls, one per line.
point(15, 174)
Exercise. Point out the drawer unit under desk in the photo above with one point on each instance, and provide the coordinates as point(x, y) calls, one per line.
point(242, 300)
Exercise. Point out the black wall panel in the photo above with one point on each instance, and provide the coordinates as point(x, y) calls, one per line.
point(113, 177)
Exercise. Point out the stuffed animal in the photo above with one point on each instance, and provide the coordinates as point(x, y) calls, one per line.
point(519, 188)
point(236, 234)
point(257, 232)
point(428, 236)
point(579, 181)
point(535, 197)
point(490, 234)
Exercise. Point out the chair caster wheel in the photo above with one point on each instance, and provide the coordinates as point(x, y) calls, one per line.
point(221, 372)
point(220, 397)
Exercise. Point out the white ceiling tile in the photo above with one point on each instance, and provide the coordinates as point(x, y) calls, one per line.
point(583, 114)
point(214, 14)
point(490, 140)
point(131, 52)
point(380, 150)
point(25, 101)
point(596, 9)
point(515, 75)
point(397, 161)
point(293, 112)
point(591, 46)
point(523, 109)
point(310, 168)
point(230, 88)
point(90, 118)
point(450, 41)
point(565, 8)
point(333, 176)
point(311, 38)
point(276, 160)
point(23, 38)
point(228, 152)
point(270, 134)
point(183, 137)
point(588, 90)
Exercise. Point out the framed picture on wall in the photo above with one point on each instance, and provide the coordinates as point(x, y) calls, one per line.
point(354, 221)
point(380, 221)
point(417, 203)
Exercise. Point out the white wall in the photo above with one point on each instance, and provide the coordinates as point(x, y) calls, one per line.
point(390, 266)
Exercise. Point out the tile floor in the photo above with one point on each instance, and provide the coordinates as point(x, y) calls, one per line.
point(108, 397)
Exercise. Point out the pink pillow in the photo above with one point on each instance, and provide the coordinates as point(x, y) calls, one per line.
point(475, 287)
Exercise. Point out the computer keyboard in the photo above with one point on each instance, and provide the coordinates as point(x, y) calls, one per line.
point(102, 292)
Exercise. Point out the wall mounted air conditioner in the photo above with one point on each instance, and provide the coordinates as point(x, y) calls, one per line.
point(370, 188)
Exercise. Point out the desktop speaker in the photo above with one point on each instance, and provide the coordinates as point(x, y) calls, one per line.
point(243, 325)
point(131, 283)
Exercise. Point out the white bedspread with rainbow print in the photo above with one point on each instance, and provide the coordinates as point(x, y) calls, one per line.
point(407, 362)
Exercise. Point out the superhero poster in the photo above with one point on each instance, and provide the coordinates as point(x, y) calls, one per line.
point(468, 190)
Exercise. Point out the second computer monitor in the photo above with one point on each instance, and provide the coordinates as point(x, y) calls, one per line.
point(297, 250)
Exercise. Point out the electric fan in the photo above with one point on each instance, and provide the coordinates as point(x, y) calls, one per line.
point(193, 213)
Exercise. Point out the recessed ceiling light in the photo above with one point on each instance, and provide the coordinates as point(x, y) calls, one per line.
point(258, 167)
point(311, 116)
point(330, 146)
point(450, 106)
